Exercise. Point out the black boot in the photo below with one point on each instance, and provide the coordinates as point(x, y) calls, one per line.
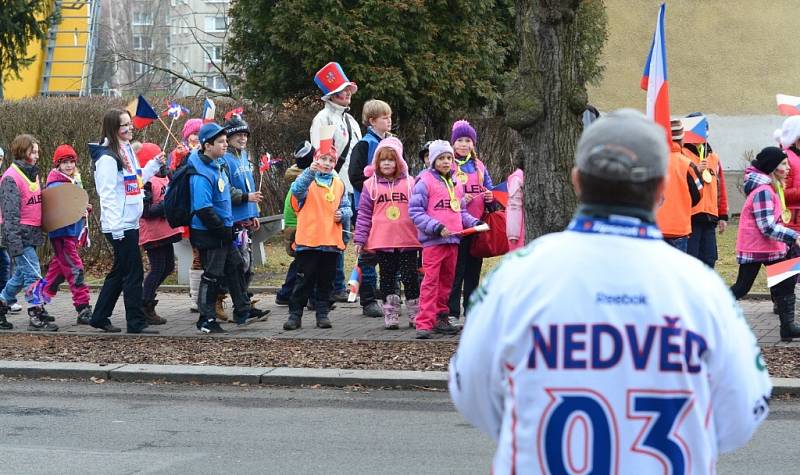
point(150, 315)
point(4, 324)
point(323, 321)
point(789, 329)
point(369, 304)
point(37, 321)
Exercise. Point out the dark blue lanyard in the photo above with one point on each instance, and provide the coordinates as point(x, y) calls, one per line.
point(616, 226)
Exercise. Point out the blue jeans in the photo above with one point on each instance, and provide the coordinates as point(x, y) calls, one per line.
point(26, 272)
point(703, 242)
point(5, 267)
point(680, 243)
point(338, 278)
point(285, 292)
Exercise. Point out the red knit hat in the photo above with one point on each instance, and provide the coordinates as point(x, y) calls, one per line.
point(147, 153)
point(63, 152)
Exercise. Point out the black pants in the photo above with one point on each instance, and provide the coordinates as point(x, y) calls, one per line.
point(404, 262)
point(468, 275)
point(315, 271)
point(222, 266)
point(162, 263)
point(124, 277)
point(747, 275)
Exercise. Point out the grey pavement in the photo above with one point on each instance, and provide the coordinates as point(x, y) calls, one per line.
point(348, 322)
point(84, 428)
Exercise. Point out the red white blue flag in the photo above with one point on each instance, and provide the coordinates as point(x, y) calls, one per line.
point(654, 78)
point(695, 129)
point(788, 105)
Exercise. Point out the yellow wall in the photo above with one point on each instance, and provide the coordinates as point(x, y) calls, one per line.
point(728, 57)
point(30, 83)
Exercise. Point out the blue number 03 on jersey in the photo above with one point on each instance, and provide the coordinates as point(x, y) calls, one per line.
point(581, 421)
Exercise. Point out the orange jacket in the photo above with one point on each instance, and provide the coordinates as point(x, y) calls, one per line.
point(674, 216)
point(714, 200)
point(315, 224)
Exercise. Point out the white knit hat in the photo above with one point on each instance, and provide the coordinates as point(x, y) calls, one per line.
point(789, 132)
point(437, 148)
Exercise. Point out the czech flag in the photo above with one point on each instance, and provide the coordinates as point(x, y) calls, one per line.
point(209, 110)
point(500, 193)
point(654, 78)
point(142, 113)
point(354, 282)
point(788, 105)
point(176, 110)
point(777, 273)
point(695, 129)
point(266, 161)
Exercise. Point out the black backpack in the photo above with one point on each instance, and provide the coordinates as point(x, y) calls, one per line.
point(178, 199)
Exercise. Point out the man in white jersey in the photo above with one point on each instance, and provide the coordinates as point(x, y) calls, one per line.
point(601, 349)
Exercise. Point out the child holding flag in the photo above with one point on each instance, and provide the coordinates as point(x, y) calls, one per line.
point(321, 204)
point(66, 263)
point(156, 236)
point(384, 228)
point(472, 176)
point(763, 237)
point(21, 206)
point(437, 210)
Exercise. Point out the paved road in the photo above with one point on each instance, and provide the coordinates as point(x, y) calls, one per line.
point(86, 428)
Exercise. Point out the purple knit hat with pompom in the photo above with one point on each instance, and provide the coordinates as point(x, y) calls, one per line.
point(462, 128)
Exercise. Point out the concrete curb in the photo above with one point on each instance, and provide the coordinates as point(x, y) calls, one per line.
point(254, 375)
point(226, 374)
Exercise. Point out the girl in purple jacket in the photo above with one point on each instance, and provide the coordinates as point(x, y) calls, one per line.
point(438, 210)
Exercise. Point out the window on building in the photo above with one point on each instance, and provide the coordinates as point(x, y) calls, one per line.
point(139, 68)
point(214, 53)
point(216, 83)
point(142, 42)
point(215, 23)
point(141, 18)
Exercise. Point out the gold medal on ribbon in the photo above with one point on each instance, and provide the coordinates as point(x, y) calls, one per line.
point(393, 212)
point(786, 216)
point(221, 184)
point(455, 205)
point(707, 176)
point(329, 196)
point(34, 187)
point(462, 177)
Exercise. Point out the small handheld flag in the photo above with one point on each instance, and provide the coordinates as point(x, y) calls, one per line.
point(354, 282)
point(481, 228)
point(35, 294)
point(175, 111)
point(654, 78)
point(777, 273)
point(265, 162)
point(237, 111)
point(500, 193)
point(695, 129)
point(209, 111)
point(788, 105)
point(142, 113)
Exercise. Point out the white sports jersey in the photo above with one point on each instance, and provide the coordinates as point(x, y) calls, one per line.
point(590, 352)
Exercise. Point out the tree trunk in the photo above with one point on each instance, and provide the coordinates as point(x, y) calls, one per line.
point(545, 103)
point(2, 97)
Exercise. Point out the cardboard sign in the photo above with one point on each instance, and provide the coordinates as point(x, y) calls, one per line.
point(62, 205)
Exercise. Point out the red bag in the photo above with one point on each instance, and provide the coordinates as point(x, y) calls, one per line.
point(493, 242)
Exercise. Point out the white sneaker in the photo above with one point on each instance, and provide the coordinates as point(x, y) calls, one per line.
point(16, 308)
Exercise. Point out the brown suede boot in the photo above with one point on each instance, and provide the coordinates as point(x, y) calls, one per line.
point(220, 310)
point(150, 315)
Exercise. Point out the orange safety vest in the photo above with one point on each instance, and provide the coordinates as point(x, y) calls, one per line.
point(315, 224)
point(674, 216)
point(709, 197)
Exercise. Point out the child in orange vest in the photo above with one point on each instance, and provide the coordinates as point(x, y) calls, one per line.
point(21, 205)
point(319, 198)
point(66, 263)
point(155, 234)
point(384, 227)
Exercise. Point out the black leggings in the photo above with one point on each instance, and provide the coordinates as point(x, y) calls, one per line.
point(468, 275)
point(162, 263)
point(406, 263)
point(747, 275)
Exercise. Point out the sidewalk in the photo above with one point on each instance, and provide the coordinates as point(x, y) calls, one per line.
point(348, 322)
